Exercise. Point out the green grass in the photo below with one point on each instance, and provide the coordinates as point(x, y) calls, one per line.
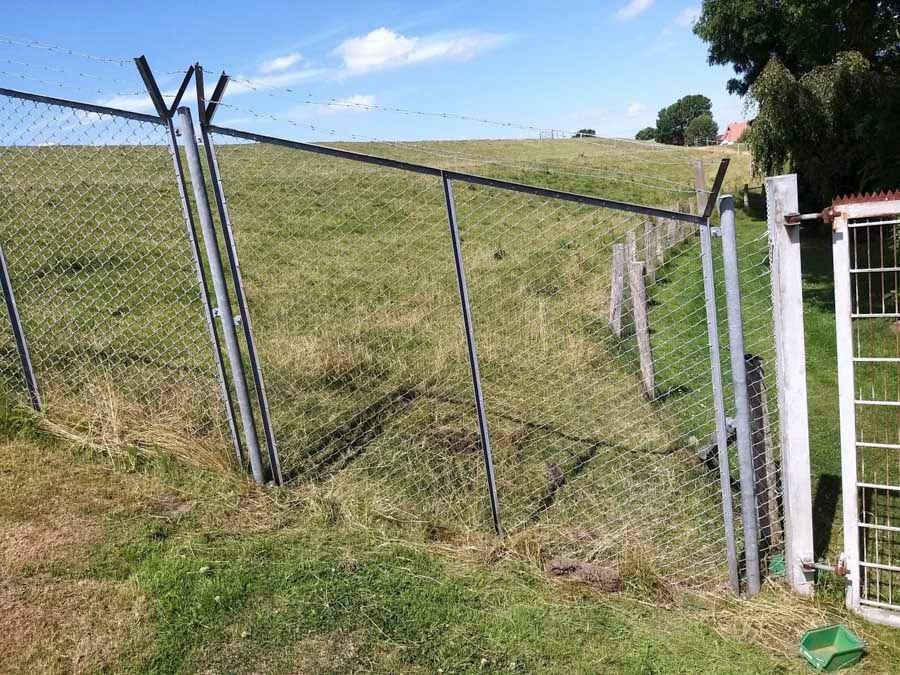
point(219, 577)
point(382, 544)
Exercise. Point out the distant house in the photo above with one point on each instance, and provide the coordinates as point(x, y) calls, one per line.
point(733, 133)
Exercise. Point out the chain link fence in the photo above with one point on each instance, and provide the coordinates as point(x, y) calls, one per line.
point(105, 277)
point(589, 319)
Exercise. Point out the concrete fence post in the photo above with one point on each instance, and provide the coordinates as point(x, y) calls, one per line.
point(787, 302)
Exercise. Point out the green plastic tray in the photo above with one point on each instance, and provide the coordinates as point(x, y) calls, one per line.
point(831, 648)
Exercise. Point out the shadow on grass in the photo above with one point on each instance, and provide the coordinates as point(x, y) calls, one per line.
point(828, 492)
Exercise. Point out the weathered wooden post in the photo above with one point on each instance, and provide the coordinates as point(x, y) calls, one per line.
point(642, 327)
point(765, 471)
point(649, 249)
point(617, 289)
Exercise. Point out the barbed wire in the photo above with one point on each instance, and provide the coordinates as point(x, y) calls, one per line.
point(34, 44)
point(635, 178)
point(615, 176)
point(68, 85)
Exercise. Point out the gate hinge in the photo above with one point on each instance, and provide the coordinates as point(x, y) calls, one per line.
point(839, 569)
point(715, 231)
point(216, 312)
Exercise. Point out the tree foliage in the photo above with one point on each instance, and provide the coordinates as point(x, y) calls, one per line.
point(836, 126)
point(825, 78)
point(672, 121)
point(802, 34)
point(585, 133)
point(646, 134)
point(702, 129)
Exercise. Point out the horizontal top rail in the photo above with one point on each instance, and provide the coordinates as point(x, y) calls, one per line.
point(460, 176)
point(77, 105)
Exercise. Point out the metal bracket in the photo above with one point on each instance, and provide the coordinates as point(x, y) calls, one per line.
point(715, 232)
point(216, 312)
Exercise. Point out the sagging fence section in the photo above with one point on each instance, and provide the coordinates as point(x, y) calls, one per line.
point(458, 350)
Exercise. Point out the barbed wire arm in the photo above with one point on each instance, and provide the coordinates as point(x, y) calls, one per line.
point(178, 96)
point(217, 95)
point(152, 88)
point(716, 188)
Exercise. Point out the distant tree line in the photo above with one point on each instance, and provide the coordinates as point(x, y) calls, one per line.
point(685, 122)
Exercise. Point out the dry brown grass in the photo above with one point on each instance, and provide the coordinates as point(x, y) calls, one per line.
point(66, 626)
point(116, 427)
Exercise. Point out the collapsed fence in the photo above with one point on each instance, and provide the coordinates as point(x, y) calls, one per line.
point(468, 350)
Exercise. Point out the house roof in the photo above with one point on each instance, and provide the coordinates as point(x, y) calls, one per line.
point(734, 131)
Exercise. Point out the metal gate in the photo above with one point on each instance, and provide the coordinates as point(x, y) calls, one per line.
point(867, 310)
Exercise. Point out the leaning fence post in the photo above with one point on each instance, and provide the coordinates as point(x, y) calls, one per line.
point(484, 433)
point(617, 289)
point(718, 395)
point(790, 354)
point(649, 252)
point(214, 259)
point(741, 400)
point(15, 321)
point(642, 327)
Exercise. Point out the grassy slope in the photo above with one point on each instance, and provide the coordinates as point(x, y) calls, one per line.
point(298, 571)
point(148, 568)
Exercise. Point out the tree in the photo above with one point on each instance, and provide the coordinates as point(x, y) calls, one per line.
point(802, 34)
point(835, 126)
point(824, 76)
point(585, 133)
point(672, 121)
point(701, 129)
point(646, 134)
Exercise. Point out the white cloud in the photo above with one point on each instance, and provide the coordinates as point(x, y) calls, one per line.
point(632, 9)
point(355, 103)
point(280, 63)
point(383, 48)
point(136, 103)
point(687, 17)
point(636, 109)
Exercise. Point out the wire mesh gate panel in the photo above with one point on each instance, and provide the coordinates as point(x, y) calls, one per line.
point(104, 274)
point(866, 239)
point(349, 274)
point(350, 281)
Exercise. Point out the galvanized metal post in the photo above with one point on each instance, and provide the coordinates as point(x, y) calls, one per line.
point(19, 334)
point(224, 307)
point(741, 398)
point(718, 394)
point(246, 322)
point(224, 392)
point(473, 355)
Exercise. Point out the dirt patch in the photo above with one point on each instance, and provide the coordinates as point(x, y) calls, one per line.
point(28, 545)
point(68, 626)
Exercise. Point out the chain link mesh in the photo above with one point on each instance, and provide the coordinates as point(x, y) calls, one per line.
point(349, 274)
point(351, 286)
point(104, 275)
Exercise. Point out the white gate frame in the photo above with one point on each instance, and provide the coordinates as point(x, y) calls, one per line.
point(840, 239)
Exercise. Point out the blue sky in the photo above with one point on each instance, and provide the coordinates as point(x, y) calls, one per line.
point(565, 65)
